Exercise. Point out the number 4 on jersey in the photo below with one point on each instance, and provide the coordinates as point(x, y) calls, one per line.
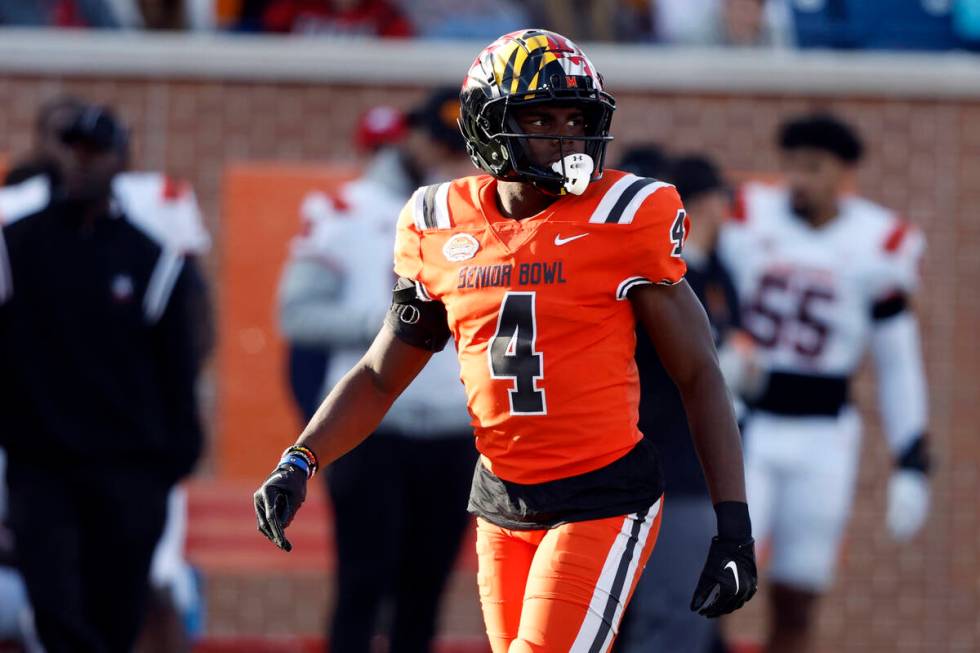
point(678, 232)
point(512, 354)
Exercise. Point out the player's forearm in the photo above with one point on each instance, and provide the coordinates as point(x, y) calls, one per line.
point(351, 411)
point(902, 391)
point(678, 327)
point(715, 433)
point(355, 406)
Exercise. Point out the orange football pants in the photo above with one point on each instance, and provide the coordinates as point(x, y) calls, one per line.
point(563, 589)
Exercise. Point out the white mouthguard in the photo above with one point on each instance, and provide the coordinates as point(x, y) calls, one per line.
point(577, 169)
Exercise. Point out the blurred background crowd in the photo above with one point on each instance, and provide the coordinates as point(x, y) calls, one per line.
point(846, 24)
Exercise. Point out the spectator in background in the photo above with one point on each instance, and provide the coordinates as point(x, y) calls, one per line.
point(465, 19)
point(399, 498)
point(99, 419)
point(167, 210)
point(595, 20)
point(328, 17)
point(660, 620)
point(895, 25)
point(966, 22)
point(109, 14)
point(58, 13)
point(378, 128)
point(722, 22)
point(164, 208)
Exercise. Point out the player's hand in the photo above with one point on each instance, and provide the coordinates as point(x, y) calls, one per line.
point(908, 503)
point(728, 579)
point(277, 501)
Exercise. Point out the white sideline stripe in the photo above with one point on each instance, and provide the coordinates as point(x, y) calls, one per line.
point(600, 597)
point(631, 574)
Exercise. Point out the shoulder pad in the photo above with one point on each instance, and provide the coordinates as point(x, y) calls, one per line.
point(24, 199)
point(163, 209)
point(622, 200)
point(759, 201)
point(903, 237)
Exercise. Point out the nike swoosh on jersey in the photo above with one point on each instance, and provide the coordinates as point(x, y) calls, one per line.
point(559, 241)
point(731, 564)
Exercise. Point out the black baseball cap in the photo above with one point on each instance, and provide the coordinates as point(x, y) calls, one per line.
point(438, 117)
point(98, 127)
point(695, 175)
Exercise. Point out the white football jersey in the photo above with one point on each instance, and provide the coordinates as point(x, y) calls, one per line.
point(353, 234)
point(164, 208)
point(807, 293)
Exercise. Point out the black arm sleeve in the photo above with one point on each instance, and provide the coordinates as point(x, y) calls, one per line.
point(419, 323)
point(890, 306)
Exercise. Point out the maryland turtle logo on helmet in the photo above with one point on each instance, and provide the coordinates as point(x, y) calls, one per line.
point(527, 68)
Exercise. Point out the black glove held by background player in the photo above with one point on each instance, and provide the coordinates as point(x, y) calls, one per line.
point(277, 501)
point(729, 578)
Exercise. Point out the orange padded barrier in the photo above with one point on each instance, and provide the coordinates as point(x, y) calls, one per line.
point(256, 419)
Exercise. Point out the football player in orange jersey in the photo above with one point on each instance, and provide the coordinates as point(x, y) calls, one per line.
point(539, 271)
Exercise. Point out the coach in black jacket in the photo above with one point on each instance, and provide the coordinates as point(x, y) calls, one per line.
point(97, 408)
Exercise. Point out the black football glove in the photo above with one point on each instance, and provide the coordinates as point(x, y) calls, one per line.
point(729, 578)
point(277, 501)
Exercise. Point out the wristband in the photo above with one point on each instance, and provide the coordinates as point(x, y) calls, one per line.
point(306, 455)
point(915, 456)
point(298, 461)
point(733, 520)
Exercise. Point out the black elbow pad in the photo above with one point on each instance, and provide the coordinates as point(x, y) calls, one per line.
point(419, 323)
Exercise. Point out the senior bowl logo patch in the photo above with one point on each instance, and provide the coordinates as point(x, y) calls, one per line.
point(460, 247)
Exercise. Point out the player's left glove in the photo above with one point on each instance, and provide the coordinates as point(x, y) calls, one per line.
point(729, 578)
point(282, 494)
point(908, 492)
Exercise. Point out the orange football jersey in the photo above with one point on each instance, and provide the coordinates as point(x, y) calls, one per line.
point(536, 308)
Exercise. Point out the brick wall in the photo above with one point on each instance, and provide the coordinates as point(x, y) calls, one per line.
point(924, 160)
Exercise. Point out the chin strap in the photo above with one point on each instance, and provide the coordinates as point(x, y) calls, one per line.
point(576, 171)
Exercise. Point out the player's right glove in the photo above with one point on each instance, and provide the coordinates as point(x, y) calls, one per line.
point(729, 578)
point(282, 494)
